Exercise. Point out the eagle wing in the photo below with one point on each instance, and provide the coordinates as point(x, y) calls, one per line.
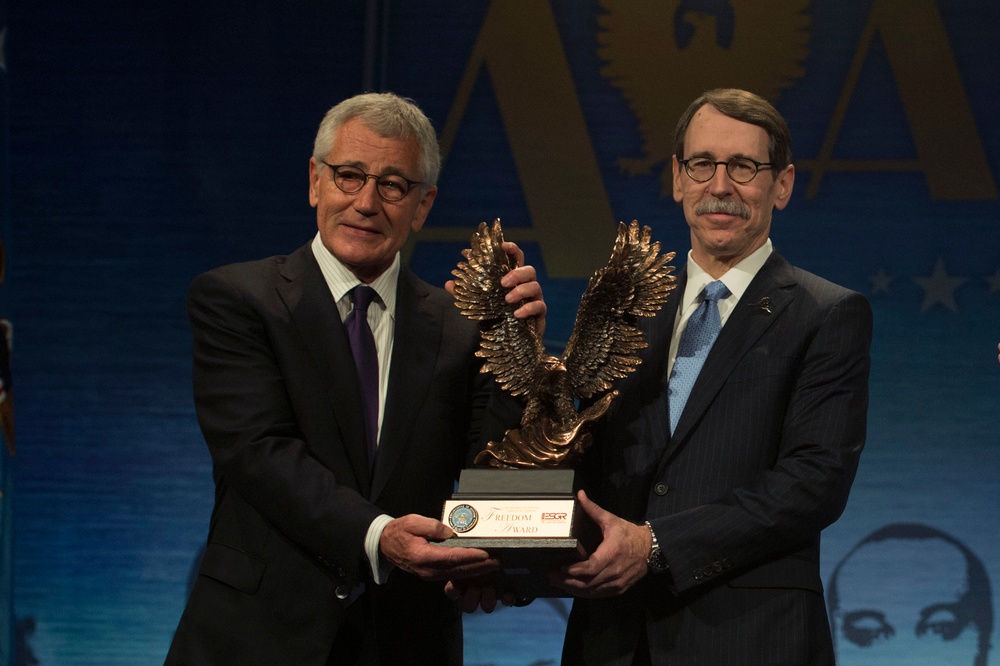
point(511, 347)
point(635, 283)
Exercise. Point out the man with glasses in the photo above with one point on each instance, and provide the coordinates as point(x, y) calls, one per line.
point(737, 440)
point(339, 396)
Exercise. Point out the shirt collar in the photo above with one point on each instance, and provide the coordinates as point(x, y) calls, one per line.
point(341, 280)
point(736, 279)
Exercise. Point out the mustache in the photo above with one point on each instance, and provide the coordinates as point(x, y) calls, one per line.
point(724, 206)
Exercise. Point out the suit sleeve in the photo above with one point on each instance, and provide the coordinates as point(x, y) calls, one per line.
point(254, 433)
point(817, 415)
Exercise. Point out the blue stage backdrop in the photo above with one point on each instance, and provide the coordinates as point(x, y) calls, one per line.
point(151, 141)
point(6, 383)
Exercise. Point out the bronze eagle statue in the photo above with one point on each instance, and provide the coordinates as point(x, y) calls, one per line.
point(635, 283)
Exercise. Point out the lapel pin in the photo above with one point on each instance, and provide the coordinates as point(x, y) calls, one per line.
point(765, 304)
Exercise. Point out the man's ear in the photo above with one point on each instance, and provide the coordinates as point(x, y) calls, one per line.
point(423, 208)
point(676, 166)
point(783, 187)
point(313, 182)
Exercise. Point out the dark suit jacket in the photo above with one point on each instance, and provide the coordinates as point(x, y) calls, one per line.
point(763, 459)
point(278, 402)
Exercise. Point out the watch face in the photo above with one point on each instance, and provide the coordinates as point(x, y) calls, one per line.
point(657, 562)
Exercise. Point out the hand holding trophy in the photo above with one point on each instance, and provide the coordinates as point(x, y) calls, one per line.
point(519, 502)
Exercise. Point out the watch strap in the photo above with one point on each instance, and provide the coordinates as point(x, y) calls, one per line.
point(656, 561)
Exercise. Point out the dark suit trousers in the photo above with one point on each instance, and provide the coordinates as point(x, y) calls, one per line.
point(355, 643)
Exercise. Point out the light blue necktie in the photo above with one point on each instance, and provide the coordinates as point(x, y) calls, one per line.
point(699, 335)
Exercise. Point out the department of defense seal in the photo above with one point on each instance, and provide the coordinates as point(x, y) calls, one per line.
point(463, 518)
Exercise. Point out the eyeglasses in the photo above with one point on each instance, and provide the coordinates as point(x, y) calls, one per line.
point(350, 180)
point(741, 169)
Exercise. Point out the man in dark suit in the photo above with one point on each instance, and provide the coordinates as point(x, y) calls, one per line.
point(712, 525)
point(320, 548)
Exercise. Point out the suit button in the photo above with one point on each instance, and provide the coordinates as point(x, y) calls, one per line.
point(660, 489)
point(341, 573)
point(717, 566)
point(342, 591)
point(698, 575)
point(726, 563)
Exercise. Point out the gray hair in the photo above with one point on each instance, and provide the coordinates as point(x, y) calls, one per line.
point(389, 116)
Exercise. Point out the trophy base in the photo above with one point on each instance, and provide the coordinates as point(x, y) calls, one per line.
point(527, 518)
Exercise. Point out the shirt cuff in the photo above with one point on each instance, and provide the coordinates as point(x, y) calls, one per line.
point(379, 573)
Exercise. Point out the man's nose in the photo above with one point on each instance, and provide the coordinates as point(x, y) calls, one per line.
point(720, 184)
point(367, 198)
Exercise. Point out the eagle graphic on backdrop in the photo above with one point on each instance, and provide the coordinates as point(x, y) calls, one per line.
point(635, 283)
point(662, 55)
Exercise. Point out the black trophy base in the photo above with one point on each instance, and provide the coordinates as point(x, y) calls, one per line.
point(529, 495)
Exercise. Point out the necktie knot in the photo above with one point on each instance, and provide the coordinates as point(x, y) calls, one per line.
point(715, 290)
point(362, 296)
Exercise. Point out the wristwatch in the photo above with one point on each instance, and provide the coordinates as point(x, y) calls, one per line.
point(657, 561)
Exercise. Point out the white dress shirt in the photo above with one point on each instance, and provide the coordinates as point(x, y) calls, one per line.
point(382, 320)
point(736, 279)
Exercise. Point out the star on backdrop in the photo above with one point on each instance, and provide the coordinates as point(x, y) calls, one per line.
point(939, 287)
point(880, 282)
point(994, 281)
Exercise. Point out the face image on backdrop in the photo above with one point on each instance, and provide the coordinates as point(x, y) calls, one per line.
point(909, 594)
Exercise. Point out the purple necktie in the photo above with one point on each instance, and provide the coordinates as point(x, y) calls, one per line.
point(365, 360)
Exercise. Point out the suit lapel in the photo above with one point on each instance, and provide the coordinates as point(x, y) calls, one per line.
point(653, 370)
point(414, 355)
point(657, 334)
point(746, 324)
point(314, 312)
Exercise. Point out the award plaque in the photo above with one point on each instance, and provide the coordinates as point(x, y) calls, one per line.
point(526, 518)
point(519, 502)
